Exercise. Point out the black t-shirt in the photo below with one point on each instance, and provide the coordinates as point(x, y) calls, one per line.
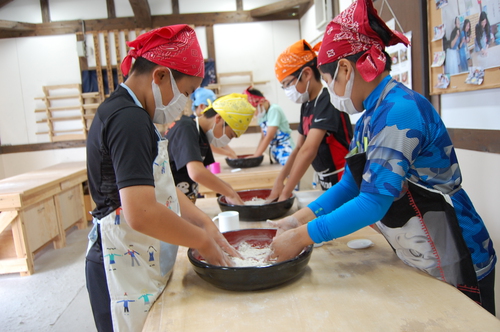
point(187, 143)
point(320, 113)
point(122, 145)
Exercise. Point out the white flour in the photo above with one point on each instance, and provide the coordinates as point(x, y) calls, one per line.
point(252, 256)
point(256, 201)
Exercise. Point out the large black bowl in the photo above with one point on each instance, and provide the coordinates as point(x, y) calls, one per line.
point(244, 162)
point(254, 277)
point(257, 212)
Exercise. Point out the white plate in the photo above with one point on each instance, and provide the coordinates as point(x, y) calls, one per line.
point(359, 244)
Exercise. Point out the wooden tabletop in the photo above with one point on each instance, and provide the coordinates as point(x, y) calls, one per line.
point(15, 189)
point(260, 177)
point(342, 289)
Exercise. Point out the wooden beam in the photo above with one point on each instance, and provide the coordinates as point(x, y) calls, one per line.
point(475, 139)
point(305, 7)
point(98, 65)
point(4, 2)
point(467, 139)
point(276, 7)
point(110, 5)
point(239, 4)
point(175, 7)
point(44, 6)
point(142, 13)
point(17, 26)
point(122, 23)
point(6, 149)
point(209, 31)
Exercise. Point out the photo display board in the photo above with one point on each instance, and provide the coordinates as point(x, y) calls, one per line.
point(464, 37)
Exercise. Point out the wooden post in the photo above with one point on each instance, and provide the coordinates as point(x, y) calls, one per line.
point(98, 66)
point(118, 57)
point(109, 67)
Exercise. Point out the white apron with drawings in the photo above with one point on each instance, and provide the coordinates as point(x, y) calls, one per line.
point(143, 265)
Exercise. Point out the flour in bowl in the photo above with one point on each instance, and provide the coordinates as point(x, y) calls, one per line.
point(256, 201)
point(252, 256)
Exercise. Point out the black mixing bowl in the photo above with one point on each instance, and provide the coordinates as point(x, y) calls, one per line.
point(254, 277)
point(257, 212)
point(244, 162)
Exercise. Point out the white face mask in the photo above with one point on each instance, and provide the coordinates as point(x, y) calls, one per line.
point(295, 96)
point(218, 142)
point(261, 111)
point(168, 113)
point(343, 103)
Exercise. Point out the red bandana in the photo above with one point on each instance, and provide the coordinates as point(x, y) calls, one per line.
point(350, 33)
point(254, 100)
point(174, 46)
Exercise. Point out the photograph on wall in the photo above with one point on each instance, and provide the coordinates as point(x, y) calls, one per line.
point(401, 61)
point(438, 32)
point(438, 59)
point(441, 3)
point(475, 76)
point(472, 35)
point(443, 81)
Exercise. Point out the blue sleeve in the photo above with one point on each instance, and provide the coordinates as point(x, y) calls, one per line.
point(364, 210)
point(342, 192)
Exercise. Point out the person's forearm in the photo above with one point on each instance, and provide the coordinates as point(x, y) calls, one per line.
point(359, 212)
point(305, 156)
point(226, 151)
point(285, 171)
point(266, 140)
point(157, 220)
point(203, 176)
point(304, 215)
point(264, 143)
point(191, 212)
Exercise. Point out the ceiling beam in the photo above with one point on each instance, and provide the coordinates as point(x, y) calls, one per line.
point(142, 13)
point(44, 6)
point(110, 6)
point(10, 29)
point(175, 7)
point(4, 2)
point(277, 7)
point(17, 26)
point(305, 7)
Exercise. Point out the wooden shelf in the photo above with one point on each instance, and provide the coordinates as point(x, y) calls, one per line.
point(85, 103)
point(218, 86)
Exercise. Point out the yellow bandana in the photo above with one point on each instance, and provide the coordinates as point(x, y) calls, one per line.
point(235, 110)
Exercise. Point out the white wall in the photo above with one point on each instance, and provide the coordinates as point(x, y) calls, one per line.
point(26, 65)
point(308, 29)
point(481, 181)
point(27, 11)
point(472, 110)
point(255, 47)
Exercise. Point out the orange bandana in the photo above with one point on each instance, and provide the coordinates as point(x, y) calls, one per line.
point(294, 58)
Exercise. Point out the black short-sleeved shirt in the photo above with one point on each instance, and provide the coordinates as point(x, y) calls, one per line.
point(187, 143)
point(320, 113)
point(122, 145)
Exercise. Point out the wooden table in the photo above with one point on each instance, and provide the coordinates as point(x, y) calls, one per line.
point(260, 177)
point(342, 289)
point(37, 208)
